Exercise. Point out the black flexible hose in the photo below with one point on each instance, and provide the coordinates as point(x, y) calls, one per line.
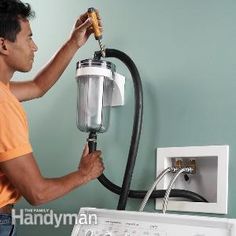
point(155, 194)
point(180, 193)
point(137, 124)
point(124, 191)
point(92, 142)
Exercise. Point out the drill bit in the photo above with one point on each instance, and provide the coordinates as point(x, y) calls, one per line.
point(102, 47)
point(97, 33)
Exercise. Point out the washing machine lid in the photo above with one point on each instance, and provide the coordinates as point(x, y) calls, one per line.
point(103, 222)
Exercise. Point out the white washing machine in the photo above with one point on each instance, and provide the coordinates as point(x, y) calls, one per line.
point(103, 222)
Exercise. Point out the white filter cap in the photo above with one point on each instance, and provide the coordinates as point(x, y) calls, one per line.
point(92, 70)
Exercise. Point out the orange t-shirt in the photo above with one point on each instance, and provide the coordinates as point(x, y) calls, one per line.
point(14, 139)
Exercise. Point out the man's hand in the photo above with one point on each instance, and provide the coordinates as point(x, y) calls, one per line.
point(83, 29)
point(91, 165)
point(24, 174)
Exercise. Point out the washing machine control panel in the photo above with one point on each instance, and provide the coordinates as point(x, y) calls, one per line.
point(101, 222)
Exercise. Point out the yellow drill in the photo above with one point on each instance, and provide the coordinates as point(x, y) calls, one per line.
point(97, 33)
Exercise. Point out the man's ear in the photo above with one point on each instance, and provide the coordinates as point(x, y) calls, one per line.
point(3, 46)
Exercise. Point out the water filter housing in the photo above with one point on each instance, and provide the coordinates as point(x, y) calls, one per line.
point(95, 80)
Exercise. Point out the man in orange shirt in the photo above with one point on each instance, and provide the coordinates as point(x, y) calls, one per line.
point(19, 172)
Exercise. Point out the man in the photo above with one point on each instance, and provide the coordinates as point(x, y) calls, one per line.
point(19, 172)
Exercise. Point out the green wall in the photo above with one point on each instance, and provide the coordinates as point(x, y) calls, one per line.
point(186, 54)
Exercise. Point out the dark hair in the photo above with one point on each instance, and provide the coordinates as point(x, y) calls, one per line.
point(11, 11)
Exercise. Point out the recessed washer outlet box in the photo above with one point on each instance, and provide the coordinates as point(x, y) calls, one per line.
point(209, 181)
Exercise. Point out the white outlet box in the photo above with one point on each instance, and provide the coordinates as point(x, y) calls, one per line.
point(210, 180)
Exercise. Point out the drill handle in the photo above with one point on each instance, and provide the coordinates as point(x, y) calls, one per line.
point(93, 15)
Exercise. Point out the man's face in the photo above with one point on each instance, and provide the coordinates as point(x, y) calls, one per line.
point(21, 52)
